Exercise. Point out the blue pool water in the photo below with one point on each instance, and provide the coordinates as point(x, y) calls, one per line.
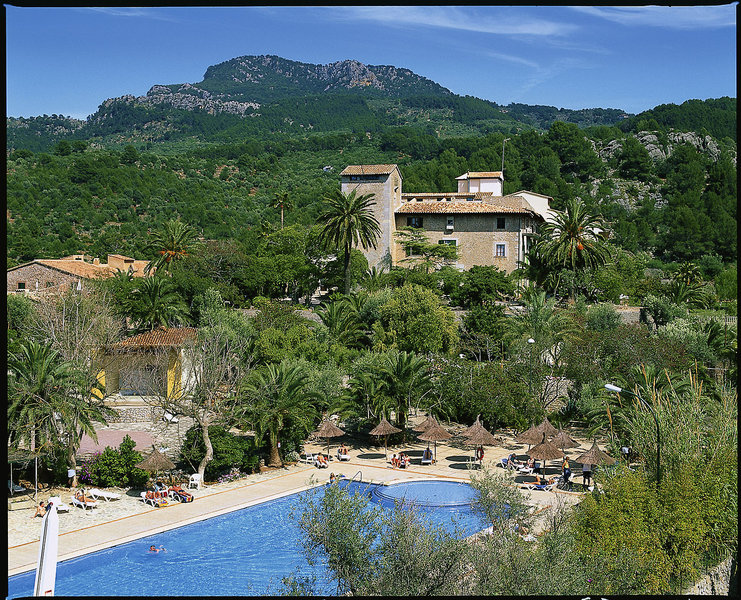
point(245, 552)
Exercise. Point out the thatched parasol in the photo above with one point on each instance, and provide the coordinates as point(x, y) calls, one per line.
point(156, 462)
point(544, 451)
point(547, 428)
point(477, 426)
point(530, 437)
point(328, 430)
point(481, 437)
point(434, 433)
point(595, 456)
point(385, 429)
point(425, 424)
point(563, 440)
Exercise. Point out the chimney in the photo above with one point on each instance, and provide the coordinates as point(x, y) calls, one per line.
point(96, 261)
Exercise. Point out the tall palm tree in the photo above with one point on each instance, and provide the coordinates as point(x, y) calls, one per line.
point(48, 407)
point(273, 396)
point(405, 378)
point(349, 222)
point(573, 241)
point(282, 201)
point(172, 243)
point(155, 303)
point(341, 319)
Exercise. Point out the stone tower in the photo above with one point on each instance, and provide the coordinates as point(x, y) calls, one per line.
point(384, 182)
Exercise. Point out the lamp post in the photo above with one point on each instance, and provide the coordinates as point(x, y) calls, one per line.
point(614, 388)
point(504, 141)
point(530, 341)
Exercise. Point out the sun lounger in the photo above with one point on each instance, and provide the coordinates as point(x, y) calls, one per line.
point(84, 504)
point(107, 496)
point(343, 456)
point(179, 494)
point(542, 487)
point(308, 458)
point(57, 501)
point(154, 498)
point(505, 463)
point(15, 488)
point(195, 480)
point(525, 470)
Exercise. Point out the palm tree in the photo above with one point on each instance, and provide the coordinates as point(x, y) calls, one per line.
point(155, 303)
point(405, 378)
point(573, 240)
point(173, 242)
point(349, 222)
point(341, 318)
point(47, 402)
point(283, 201)
point(275, 395)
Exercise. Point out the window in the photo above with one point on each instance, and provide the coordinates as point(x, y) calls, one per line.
point(449, 242)
point(142, 381)
point(501, 222)
point(451, 223)
point(415, 222)
point(21, 285)
point(500, 250)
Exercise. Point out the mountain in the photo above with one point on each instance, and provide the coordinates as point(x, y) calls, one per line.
point(272, 96)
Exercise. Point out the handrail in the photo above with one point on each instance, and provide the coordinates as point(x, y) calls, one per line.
point(353, 477)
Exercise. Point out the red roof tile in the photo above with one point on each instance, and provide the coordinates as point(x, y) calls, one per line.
point(484, 204)
point(368, 169)
point(162, 337)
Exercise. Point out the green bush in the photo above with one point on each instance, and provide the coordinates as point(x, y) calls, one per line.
point(115, 467)
point(603, 317)
point(229, 451)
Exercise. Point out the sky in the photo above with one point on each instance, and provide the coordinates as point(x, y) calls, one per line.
point(69, 60)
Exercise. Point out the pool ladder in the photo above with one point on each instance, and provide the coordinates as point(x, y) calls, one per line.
point(360, 480)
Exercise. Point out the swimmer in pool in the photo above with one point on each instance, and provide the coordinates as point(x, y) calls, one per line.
point(152, 548)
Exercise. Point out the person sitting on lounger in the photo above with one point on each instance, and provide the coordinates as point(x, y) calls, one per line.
point(82, 497)
point(394, 460)
point(403, 460)
point(427, 454)
point(321, 461)
point(40, 510)
point(512, 460)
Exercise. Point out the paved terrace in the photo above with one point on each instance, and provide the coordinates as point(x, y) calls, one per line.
point(127, 519)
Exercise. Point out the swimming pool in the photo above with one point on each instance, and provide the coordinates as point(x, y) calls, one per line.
point(245, 552)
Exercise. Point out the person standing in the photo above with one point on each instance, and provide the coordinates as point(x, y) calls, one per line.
point(586, 475)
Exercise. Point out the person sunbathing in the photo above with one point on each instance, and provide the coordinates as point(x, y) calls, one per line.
point(403, 460)
point(321, 461)
point(394, 460)
point(40, 510)
point(550, 481)
point(82, 497)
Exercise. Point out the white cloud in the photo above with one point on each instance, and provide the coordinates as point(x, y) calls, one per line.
point(126, 11)
point(671, 17)
point(514, 59)
point(501, 22)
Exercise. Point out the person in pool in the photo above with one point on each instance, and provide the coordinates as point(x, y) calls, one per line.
point(153, 548)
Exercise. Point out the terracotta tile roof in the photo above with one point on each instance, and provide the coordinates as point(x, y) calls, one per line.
point(86, 270)
point(76, 267)
point(485, 203)
point(368, 169)
point(162, 337)
point(480, 174)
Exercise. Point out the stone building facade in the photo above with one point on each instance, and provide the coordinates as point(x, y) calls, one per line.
point(488, 228)
point(59, 275)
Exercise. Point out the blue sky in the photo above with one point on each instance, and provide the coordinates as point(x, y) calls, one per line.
point(69, 60)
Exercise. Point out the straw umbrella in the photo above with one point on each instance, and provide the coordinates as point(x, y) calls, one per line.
point(385, 429)
point(425, 424)
point(547, 428)
point(530, 437)
point(476, 427)
point(156, 462)
point(594, 456)
point(481, 437)
point(328, 430)
point(544, 451)
point(434, 433)
point(563, 440)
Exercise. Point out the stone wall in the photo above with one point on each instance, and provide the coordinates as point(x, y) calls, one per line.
point(37, 277)
point(719, 581)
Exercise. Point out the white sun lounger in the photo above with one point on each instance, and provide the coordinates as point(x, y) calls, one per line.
point(96, 493)
point(76, 502)
point(61, 506)
point(543, 487)
point(308, 458)
point(343, 456)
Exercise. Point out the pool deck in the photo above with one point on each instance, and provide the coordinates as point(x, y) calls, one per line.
point(215, 500)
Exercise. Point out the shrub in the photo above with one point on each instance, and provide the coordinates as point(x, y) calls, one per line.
point(229, 451)
point(603, 317)
point(115, 467)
